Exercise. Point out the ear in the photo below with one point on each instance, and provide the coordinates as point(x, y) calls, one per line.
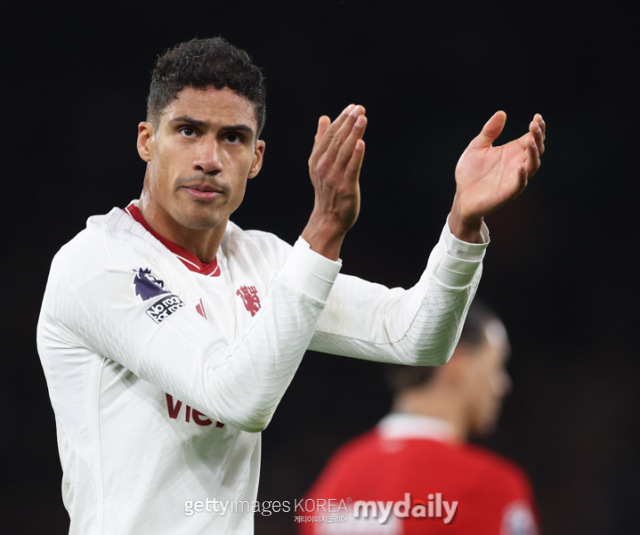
point(258, 156)
point(145, 139)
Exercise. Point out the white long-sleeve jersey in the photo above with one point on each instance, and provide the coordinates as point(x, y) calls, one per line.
point(162, 370)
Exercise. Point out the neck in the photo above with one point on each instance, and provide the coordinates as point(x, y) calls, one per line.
point(435, 402)
point(203, 243)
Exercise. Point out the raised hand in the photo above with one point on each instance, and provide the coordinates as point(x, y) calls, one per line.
point(488, 177)
point(334, 167)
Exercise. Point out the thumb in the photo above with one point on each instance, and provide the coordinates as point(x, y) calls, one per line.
point(490, 131)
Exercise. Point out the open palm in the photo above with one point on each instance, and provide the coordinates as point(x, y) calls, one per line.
point(488, 177)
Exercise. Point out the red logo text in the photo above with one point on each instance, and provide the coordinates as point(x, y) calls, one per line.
point(190, 414)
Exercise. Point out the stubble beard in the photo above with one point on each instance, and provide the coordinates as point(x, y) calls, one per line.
point(200, 215)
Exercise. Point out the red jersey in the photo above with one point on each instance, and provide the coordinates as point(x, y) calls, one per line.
point(409, 476)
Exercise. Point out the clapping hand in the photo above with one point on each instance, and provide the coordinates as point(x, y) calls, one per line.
point(488, 176)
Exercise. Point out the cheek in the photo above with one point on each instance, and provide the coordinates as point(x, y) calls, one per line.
point(500, 382)
point(241, 173)
point(158, 178)
point(170, 155)
point(488, 385)
point(239, 192)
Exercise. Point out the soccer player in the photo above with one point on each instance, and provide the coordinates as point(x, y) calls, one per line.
point(418, 455)
point(168, 335)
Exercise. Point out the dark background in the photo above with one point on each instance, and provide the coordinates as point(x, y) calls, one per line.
point(560, 269)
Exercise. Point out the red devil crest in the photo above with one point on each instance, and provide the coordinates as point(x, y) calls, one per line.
point(250, 298)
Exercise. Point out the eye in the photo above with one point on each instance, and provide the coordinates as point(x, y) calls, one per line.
point(187, 131)
point(232, 137)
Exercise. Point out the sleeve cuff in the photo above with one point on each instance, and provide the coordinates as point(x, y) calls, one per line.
point(460, 260)
point(463, 250)
point(310, 272)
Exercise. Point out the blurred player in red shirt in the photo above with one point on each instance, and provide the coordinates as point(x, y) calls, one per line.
point(415, 472)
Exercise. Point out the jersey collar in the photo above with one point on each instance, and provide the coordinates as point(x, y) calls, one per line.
point(190, 260)
point(399, 426)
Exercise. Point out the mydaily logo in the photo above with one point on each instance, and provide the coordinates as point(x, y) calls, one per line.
point(433, 508)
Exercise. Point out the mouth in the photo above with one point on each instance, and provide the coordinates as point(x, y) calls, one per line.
point(202, 192)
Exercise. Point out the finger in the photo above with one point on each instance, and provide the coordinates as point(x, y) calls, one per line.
point(543, 126)
point(536, 132)
point(323, 123)
point(331, 131)
point(342, 135)
point(355, 162)
point(490, 131)
point(346, 150)
point(522, 180)
point(532, 163)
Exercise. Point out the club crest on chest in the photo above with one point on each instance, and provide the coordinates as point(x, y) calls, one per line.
point(249, 296)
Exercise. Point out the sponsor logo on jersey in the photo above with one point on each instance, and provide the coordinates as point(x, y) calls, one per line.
point(146, 285)
point(190, 413)
point(249, 296)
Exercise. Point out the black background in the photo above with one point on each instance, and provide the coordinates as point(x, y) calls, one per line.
point(560, 269)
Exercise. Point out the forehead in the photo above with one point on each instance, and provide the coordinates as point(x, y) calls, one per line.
point(496, 333)
point(496, 340)
point(216, 106)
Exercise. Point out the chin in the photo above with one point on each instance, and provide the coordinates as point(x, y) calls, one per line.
point(198, 219)
point(484, 428)
point(487, 429)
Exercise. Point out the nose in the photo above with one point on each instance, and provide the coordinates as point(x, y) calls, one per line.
point(208, 159)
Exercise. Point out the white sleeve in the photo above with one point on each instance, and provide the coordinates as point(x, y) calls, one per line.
point(239, 384)
point(420, 326)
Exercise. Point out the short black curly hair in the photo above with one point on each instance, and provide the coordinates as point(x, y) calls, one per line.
point(201, 63)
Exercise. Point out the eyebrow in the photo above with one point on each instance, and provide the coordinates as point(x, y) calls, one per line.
point(188, 120)
point(197, 122)
point(238, 127)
